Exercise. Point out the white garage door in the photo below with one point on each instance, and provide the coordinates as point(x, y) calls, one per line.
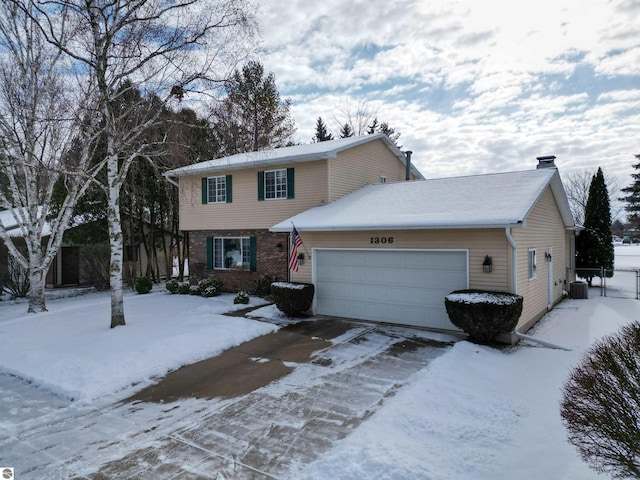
point(396, 286)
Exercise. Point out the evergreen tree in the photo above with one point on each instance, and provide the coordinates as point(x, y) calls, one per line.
point(252, 116)
point(632, 198)
point(346, 131)
point(321, 132)
point(594, 249)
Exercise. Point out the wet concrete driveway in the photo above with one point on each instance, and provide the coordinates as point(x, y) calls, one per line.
point(262, 410)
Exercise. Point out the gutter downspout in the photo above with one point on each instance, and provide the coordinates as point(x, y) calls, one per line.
point(514, 272)
point(171, 181)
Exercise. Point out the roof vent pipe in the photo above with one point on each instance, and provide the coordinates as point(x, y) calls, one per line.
point(407, 155)
point(546, 162)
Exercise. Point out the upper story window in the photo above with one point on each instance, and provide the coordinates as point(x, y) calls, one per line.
point(532, 263)
point(276, 184)
point(216, 189)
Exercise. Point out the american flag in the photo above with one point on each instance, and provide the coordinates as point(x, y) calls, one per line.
point(296, 241)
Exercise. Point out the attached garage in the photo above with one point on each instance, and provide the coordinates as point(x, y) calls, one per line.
point(394, 286)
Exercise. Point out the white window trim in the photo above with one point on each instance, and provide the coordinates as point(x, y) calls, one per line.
point(221, 179)
point(532, 260)
point(244, 255)
point(283, 192)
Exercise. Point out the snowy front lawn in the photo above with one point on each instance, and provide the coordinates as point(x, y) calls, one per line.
point(71, 350)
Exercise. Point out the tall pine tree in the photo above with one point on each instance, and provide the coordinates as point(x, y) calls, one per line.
point(252, 116)
point(346, 131)
point(632, 198)
point(322, 135)
point(594, 249)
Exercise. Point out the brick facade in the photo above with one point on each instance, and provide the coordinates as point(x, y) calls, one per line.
point(269, 260)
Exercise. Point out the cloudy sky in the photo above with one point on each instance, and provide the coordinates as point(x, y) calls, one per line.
point(473, 86)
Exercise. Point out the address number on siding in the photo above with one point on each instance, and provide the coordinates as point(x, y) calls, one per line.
point(378, 240)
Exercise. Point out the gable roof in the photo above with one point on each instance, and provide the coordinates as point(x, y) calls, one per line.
point(478, 201)
point(287, 155)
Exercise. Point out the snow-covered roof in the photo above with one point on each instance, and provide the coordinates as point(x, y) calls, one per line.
point(294, 154)
point(12, 227)
point(479, 201)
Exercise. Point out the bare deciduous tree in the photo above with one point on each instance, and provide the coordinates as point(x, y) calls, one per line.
point(577, 184)
point(154, 47)
point(40, 132)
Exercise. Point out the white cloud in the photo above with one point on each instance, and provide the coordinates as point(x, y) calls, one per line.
point(474, 86)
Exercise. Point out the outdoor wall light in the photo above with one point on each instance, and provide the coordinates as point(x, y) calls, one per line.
point(487, 265)
point(301, 259)
point(547, 256)
point(279, 247)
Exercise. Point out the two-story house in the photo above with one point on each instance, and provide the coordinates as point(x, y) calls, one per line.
point(378, 247)
point(228, 205)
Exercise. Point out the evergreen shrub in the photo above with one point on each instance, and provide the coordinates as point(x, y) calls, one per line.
point(172, 286)
point(210, 287)
point(293, 299)
point(482, 314)
point(241, 298)
point(184, 289)
point(143, 285)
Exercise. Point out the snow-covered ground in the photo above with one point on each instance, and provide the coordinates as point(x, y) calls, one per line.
point(473, 413)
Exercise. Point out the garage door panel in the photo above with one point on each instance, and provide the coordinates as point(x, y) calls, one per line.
point(395, 286)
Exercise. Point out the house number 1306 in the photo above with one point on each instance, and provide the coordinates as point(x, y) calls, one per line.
point(377, 240)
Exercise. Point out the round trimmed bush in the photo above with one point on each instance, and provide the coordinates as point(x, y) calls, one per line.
point(293, 299)
point(482, 314)
point(184, 289)
point(172, 286)
point(210, 287)
point(143, 285)
point(241, 298)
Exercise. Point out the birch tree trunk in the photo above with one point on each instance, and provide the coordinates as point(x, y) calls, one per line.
point(41, 144)
point(116, 243)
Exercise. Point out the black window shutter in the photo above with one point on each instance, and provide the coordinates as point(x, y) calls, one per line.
point(261, 185)
point(290, 184)
point(205, 193)
point(229, 189)
point(210, 253)
point(253, 247)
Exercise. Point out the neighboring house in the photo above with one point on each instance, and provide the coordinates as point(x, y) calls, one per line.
point(81, 259)
point(392, 252)
point(228, 205)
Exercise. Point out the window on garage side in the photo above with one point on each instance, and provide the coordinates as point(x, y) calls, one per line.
point(225, 253)
point(532, 263)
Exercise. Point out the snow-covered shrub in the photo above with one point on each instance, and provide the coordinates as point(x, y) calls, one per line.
point(172, 286)
point(184, 289)
point(482, 314)
point(262, 286)
point(194, 290)
point(292, 298)
point(210, 287)
point(601, 404)
point(143, 285)
point(241, 297)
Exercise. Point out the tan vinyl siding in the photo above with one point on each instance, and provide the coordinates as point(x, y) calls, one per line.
point(544, 228)
point(479, 243)
point(245, 211)
point(363, 165)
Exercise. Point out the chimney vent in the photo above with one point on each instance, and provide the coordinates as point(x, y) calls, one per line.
point(546, 162)
point(407, 155)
